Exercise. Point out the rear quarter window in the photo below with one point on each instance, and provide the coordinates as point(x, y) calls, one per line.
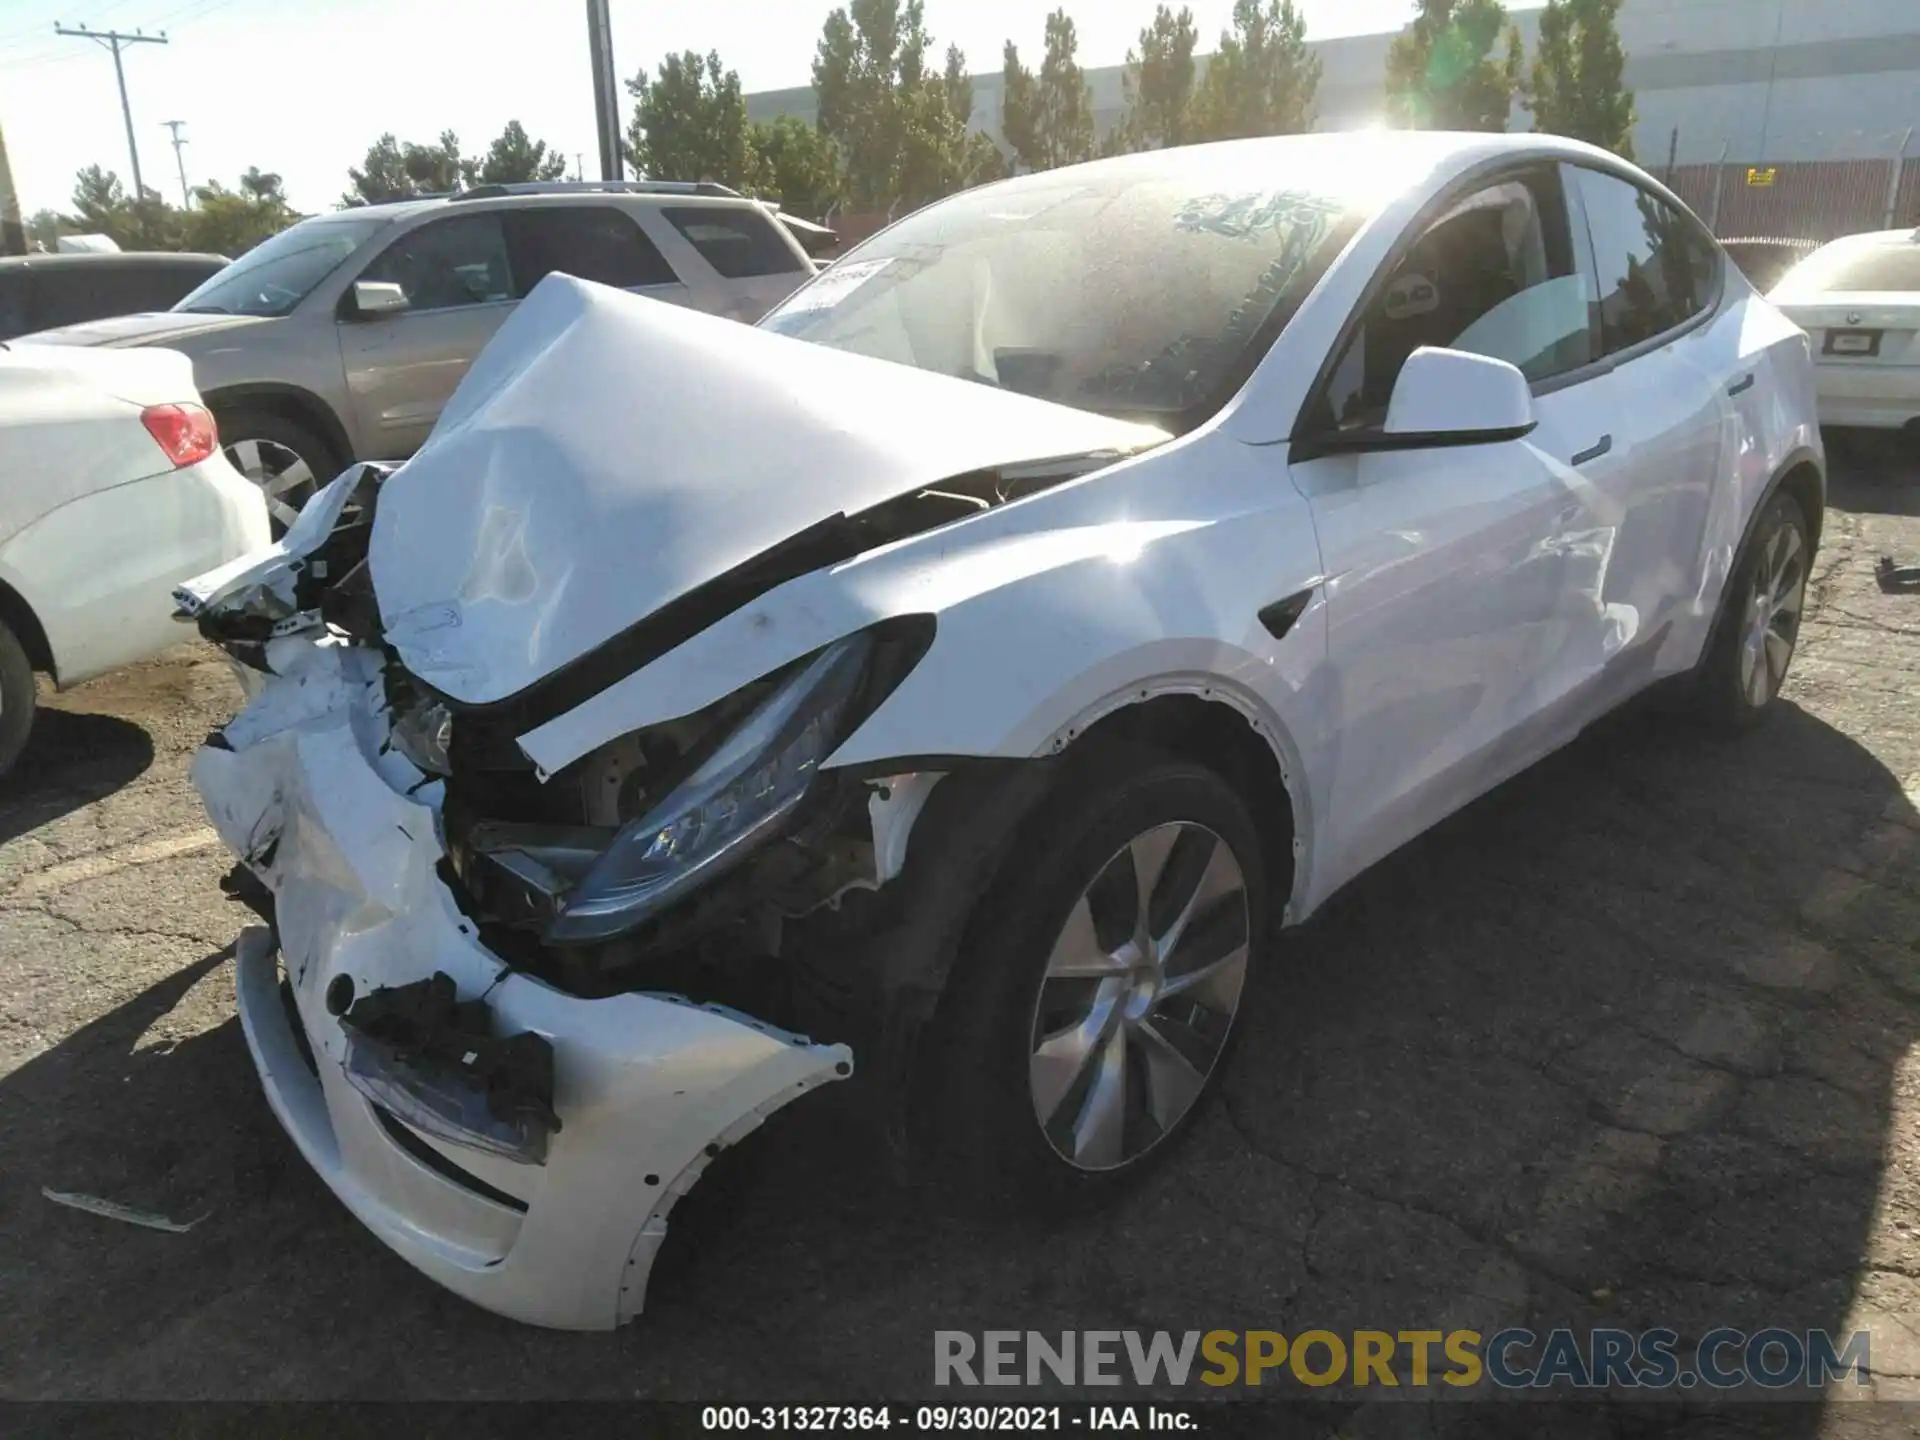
point(737, 243)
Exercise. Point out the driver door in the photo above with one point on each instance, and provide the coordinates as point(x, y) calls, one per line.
point(402, 368)
point(1459, 578)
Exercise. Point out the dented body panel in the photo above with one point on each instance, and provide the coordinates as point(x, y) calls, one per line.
point(546, 552)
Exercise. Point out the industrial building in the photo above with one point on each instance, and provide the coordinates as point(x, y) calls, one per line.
point(1770, 116)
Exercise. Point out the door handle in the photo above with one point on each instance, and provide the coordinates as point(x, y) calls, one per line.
point(1743, 384)
point(1604, 447)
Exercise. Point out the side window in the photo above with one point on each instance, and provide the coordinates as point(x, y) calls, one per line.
point(65, 298)
point(590, 242)
point(1496, 275)
point(737, 242)
point(1655, 272)
point(16, 311)
point(448, 263)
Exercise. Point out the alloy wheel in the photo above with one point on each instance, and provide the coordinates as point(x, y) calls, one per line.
point(283, 475)
point(1772, 624)
point(1140, 994)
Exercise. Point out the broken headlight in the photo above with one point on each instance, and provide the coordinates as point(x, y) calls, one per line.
point(732, 802)
point(424, 734)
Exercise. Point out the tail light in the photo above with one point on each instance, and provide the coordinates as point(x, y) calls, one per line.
point(186, 432)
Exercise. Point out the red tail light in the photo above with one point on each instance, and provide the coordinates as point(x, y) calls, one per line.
point(185, 432)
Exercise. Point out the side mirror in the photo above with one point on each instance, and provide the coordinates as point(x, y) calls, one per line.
point(1442, 398)
point(375, 298)
point(1448, 397)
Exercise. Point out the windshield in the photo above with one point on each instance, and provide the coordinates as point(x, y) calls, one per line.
point(1145, 287)
point(1857, 268)
point(272, 278)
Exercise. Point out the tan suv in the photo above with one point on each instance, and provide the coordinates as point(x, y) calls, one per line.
point(340, 339)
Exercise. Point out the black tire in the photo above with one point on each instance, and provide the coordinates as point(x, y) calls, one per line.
point(17, 699)
point(1726, 693)
point(259, 443)
point(981, 1121)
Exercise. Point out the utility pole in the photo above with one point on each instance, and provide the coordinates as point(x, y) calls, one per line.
point(115, 40)
point(606, 90)
point(13, 235)
point(180, 160)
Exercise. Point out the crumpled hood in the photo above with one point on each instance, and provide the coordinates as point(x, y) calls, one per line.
point(158, 327)
point(608, 453)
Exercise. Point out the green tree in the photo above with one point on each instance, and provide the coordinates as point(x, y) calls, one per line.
point(45, 228)
point(901, 131)
point(1263, 80)
point(690, 122)
point(1578, 84)
point(1048, 118)
point(1442, 70)
point(231, 222)
point(102, 207)
point(395, 171)
point(795, 166)
point(514, 158)
point(1158, 84)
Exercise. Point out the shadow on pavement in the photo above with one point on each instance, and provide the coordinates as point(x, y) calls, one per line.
point(1873, 472)
point(1617, 1046)
point(72, 759)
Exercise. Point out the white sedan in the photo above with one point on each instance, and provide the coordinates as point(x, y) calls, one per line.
point(112, 490)
point(1859, 298)
point(970, 668)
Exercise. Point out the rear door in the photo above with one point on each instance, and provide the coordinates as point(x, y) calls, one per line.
point(1670, 361)
point(460, 286)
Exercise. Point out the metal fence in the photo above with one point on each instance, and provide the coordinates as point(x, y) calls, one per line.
point(1815, 200)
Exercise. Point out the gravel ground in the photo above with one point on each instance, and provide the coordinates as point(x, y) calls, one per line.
point(1629, 1042)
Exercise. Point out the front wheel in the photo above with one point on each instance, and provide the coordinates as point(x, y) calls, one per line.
point(1753, 645)
point(17, 699)
point(1098, 992)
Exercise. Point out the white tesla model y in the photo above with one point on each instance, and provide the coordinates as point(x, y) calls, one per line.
point(969, 668)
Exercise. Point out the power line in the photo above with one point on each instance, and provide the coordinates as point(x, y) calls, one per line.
point(115, 40)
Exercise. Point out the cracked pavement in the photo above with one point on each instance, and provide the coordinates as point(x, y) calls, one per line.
point(1630, 1042)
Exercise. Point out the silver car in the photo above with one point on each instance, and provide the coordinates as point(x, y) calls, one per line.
point(340, 339)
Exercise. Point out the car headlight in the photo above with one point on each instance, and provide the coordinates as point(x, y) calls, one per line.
point(732, 803)
point(424, 734)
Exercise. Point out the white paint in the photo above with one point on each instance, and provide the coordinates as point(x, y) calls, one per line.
point(96, 526)
point(110, 862)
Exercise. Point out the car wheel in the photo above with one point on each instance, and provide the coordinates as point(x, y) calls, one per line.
point(16, 699)
point(1752, 647)
point(1097, 994)
point(285, 459)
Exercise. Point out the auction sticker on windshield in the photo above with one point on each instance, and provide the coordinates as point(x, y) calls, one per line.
point(834, 285)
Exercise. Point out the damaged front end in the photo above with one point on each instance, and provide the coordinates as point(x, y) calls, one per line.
point(452, 1015)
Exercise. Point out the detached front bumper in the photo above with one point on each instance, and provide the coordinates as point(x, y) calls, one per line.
point(648, 1087)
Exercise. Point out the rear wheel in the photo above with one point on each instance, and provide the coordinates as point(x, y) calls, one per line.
point(16, 699)
point(1759, 629)
point(1099, 989)
point(285, 459)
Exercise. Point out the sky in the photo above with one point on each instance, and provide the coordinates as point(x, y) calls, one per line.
point(303, 87)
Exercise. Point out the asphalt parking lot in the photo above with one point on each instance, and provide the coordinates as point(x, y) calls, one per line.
point(1630, 1042)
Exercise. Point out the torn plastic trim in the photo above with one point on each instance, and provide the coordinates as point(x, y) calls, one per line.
point(279, 591)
